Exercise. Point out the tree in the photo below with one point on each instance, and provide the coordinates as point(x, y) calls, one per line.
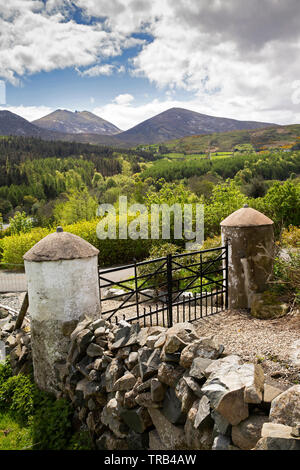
point(80, 206)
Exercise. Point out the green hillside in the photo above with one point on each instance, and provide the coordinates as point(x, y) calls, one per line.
point(274, 137)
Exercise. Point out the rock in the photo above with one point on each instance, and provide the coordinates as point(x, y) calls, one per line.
point(100, 331)
point(149, 361)
point(145, 399)
point(113, 372)
point(247, 433)
point(277, 437)
point(194, 386)
point(172, 408)
point(99, 323)
point(129, 399)
point(83, 325)
point(2, 352)
point(158, 390)
point(11, 341)
point(137, 419)
point(285, 408)
point(123, 353)
point(199, 365)
point(124, 383)
point(83, 339)
point(185, 395)
point(203, 412)
point(226, 395)
point(204, 347)
point(161, 339)
point(294, 353)
point(119, 294)
point(94, 350)
point(110, 416)
point(143, 386)
point(170, 357)
point(169, 374)
point(221, 364)
point(254, 381)
point(8, 327)
point(147, 296)
point(138, 441)
point(172, 437)
point(229, 387)
point(109, 442)
point(202, 437)
point(296, 430)
point(270, 393)
point(173, 344)
point(126, 335)
point(221, 426)
point(151, 340)
point(154, 441)
point(132, 360)
point(89, 389)
point(221, 443)
point(266, 306)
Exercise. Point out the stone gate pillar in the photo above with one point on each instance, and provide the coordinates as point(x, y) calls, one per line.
point(250, 238)
point(63, 287)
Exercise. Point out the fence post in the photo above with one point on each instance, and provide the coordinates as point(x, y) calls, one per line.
point(136, 289)
point(226, 276)
point(170, 290)
point(250, 236)
point(63, 288)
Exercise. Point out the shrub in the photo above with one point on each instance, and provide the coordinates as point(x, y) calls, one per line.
point(51, 424)
point(16, 396)
point(286, 277)
point(15, 246)
point(291, 237)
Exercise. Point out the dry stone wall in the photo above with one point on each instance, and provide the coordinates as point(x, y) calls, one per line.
point(165, 389)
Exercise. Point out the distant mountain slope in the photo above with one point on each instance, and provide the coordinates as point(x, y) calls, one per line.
point(270, 137)
point(177, 122)
point(12, 124)
point(79, 122)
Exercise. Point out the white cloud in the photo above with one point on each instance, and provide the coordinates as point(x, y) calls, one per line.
point(34, 39)
point(239, 58)
point(123, 99)
point(97, 70)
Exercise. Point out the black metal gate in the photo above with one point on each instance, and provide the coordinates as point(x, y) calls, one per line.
point(164, 291)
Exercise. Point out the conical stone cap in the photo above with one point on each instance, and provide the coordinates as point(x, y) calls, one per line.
point(246, 217)
point(60, 246)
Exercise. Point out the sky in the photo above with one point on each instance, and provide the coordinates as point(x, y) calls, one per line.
point(127, 60)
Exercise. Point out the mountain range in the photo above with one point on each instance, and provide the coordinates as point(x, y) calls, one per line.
point(79, 122)
point(87, 127)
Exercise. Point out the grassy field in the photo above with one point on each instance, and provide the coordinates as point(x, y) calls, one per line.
point(13, 436)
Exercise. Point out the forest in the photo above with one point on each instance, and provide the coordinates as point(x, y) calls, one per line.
point(45, 184)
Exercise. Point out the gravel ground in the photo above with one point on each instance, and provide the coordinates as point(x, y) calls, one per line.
point(267, 342)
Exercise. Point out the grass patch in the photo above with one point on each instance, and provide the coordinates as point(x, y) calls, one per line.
point(13, 435)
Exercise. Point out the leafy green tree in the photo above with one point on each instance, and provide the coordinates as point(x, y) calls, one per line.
point(79, 206)
point(20, 223)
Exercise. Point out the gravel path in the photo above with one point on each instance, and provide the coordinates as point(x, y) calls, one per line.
point(267, 342)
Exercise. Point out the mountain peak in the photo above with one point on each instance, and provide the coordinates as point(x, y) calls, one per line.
point(78, 122)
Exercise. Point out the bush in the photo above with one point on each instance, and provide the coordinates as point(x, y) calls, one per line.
point(51, 425)
point(286, 278)
point(48, 419)
point(16, 396)
point(111, 252)
point(290, 237)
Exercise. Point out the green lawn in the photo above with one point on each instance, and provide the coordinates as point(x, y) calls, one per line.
point(13, 436)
